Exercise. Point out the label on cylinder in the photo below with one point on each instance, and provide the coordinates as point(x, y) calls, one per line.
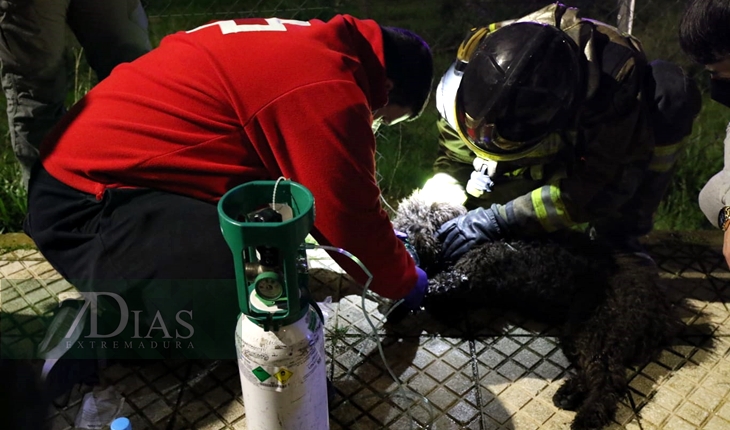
point(283, 359)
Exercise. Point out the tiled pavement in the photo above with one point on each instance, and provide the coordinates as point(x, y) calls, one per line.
point(493, 372)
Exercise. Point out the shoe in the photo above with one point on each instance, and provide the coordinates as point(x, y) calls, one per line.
point(625, 244)
point(65, 365)
point(60, 376)
point(632, 246)
point(645, 259)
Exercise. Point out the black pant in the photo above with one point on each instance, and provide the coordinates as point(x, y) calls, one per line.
point(162, 253)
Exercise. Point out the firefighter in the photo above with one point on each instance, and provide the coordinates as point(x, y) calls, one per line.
point(554, 121)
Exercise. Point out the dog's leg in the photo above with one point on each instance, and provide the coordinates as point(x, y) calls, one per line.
point(606, 384)
point(572, 393)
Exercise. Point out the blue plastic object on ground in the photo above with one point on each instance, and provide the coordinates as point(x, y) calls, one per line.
point(121, 424)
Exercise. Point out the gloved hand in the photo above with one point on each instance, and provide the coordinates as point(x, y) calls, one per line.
point(412, 301)
point(411, 250)
point(473, 228)
point(480, 182)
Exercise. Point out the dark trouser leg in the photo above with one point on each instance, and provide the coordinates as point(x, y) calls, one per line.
point(32, 49)
point(162, 254)
point(111, 32)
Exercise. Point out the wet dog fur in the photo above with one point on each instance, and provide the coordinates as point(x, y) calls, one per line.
point(609, 307)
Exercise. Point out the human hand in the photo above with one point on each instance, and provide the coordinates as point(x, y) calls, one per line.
point(411, 250)
point(477, 226)
point(479, 183)
point(412, 301)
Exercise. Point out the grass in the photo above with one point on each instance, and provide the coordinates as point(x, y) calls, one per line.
point(702, 158)
point(13, 242)
point(405, 155)
point(406, 152)
point(12, 195)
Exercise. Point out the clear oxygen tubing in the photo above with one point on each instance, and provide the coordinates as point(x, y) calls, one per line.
point(402, 389)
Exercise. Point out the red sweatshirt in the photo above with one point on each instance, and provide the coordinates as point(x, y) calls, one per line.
point(235, 101)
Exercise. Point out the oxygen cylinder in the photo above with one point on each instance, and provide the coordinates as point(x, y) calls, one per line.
point(280, 333)
point(283, 374)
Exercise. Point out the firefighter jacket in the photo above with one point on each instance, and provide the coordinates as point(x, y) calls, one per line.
point(578, 174)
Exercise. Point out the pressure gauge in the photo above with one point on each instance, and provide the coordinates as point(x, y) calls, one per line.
point(268, 286)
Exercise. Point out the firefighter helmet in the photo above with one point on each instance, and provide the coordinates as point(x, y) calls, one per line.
point(523, 82)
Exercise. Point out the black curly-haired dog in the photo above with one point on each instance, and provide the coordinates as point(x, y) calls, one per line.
point(609, 308)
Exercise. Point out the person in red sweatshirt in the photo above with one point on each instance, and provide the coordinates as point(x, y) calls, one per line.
point(124, 199)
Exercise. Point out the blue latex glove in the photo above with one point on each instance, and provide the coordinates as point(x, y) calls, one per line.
point(411, 250)
point(473, 228)
point(413, 300)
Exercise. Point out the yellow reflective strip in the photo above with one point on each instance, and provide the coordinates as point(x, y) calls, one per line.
point(664, 157)
point(661, 165)
point(550, 145)
point(551, 214)
point(560, 212)
point(663, 151)
point(516, 173)
point(492, 26)
point(540, 210)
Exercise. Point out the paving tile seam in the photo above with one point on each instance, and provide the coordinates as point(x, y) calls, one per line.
point(523, 341)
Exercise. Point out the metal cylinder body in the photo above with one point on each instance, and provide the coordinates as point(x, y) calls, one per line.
point(283, 374)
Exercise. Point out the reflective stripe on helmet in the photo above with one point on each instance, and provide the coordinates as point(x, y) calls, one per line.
point(446, 105)
point(446, 96)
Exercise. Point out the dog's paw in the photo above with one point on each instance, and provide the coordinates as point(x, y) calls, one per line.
point(568, 398)
point(591, 418)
